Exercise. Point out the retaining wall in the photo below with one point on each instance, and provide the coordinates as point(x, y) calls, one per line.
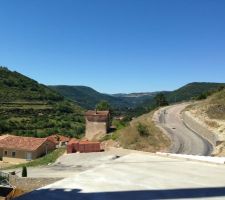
point(194, 125)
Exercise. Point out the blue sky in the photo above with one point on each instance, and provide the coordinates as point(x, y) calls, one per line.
point(115, 45)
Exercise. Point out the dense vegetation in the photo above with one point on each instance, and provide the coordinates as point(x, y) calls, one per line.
point(30, 109)
point(103, 105)
point(15, 87)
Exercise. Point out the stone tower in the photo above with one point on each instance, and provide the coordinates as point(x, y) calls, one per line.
point(97, 124)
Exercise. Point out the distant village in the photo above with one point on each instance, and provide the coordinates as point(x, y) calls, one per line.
point(18, 149)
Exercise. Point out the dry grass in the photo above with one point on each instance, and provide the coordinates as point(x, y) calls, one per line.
point(212, 124)
point(213, 107)
point(216, 106)
point(131, 139)
point(216, 112)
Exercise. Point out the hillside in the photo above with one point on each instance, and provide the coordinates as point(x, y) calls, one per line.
point(88, 97)
point(211, 114)
point(134, 104)
point(15, 87)
point(216, 106)
point(192, 90)
point(141, 134)
point(32, 109)
point(213, 107)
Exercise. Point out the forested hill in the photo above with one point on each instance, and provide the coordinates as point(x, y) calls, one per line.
point(193, 91)
point(88, 97)
point(15, 87)
point(31, 109)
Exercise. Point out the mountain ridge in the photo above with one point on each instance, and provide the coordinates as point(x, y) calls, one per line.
point(88, 97)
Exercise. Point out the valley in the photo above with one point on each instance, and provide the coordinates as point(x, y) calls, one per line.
point(143, 127)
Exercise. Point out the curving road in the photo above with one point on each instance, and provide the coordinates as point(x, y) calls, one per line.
point(184, 140)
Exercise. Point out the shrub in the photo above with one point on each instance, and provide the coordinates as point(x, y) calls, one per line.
point(24, 171)
point(142, 130)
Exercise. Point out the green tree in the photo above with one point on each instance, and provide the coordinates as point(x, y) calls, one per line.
point(201, 96)
point(160, 100)
point(103, 105)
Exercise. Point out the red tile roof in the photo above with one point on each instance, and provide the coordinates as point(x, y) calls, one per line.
point(58, 138)
point(21, 143)
point(3, 136)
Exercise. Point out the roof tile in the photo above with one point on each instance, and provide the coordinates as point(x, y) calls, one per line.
point(21, 143)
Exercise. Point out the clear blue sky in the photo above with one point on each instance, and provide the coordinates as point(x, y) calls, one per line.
point(115, 45)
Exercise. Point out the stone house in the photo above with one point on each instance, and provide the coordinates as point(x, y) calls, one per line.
point(19, 149)
point(97, 124)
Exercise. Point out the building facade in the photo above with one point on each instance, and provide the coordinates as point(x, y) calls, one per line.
point(19, 149)
point(97, 124)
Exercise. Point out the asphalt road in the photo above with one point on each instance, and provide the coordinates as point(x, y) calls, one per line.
point(184, 140)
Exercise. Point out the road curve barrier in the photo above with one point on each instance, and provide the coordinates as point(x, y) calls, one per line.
point(195, 126)
point(208, 159)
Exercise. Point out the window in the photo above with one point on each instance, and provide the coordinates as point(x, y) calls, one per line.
point(5, 153)
point(13, 154)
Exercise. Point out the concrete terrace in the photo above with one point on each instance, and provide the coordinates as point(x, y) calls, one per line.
point(139, 176)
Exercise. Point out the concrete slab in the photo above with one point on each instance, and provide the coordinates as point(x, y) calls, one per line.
point(139, 176)
point(70, 164)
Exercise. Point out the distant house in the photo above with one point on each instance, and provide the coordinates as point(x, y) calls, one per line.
point(97, 124)
point(19, 149)
point(83, 146)
point(59, 140)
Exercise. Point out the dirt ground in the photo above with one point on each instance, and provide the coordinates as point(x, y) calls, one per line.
point(25, 185)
